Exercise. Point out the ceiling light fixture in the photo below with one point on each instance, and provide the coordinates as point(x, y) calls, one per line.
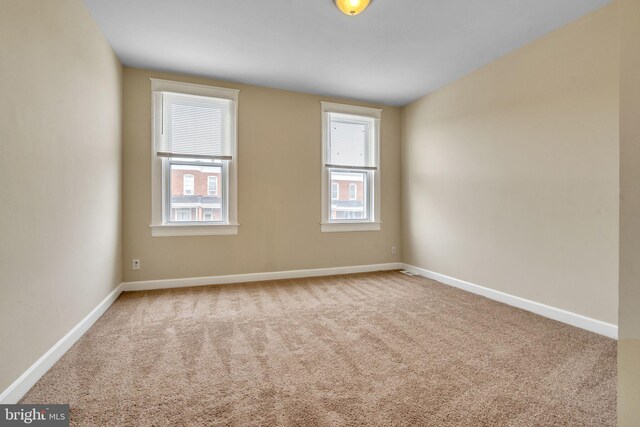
point(352, 7)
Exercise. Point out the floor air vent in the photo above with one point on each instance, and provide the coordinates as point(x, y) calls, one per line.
point(407, 273)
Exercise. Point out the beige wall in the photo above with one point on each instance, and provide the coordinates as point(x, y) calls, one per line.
point(60, 151)
point(628, 382)
point(510, 175)
point(629, 345)
point(279, 191)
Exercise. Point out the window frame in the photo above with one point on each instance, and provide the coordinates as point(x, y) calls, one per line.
point(161, 226)
point(373, 175)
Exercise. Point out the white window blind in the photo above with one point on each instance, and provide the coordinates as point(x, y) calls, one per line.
point(194, 127)
point(350, 142)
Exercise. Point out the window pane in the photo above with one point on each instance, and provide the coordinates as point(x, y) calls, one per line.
point(348, 142)
point(352, 195)
point(192, 198)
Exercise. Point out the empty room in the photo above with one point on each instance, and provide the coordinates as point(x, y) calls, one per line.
point(320, 213)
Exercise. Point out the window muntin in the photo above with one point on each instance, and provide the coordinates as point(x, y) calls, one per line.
point(194, 133)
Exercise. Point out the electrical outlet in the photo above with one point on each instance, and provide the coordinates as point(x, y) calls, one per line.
point(394, 250)
point(135, 264)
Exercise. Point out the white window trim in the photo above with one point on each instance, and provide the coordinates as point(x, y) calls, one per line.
point(338, 227)
point(160, 229)
point(350, 225)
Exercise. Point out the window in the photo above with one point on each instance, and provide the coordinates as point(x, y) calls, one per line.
point(335, 191)
point(194, 159)
point(353, 191)
point(212, 185)
point(348, 214)
point(187, 185)
point(350, 159)
point(183, 214)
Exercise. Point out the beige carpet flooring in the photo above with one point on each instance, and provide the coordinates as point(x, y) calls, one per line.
point(366, 349)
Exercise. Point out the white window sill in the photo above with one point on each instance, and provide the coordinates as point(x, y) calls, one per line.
point(170, 230)
point(337, 227)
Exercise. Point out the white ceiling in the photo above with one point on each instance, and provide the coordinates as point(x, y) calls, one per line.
point(393, 53)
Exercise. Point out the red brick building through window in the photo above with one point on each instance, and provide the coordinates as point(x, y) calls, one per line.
point(197, 193)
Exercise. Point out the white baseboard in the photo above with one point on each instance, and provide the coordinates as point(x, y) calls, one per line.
point(21, 386)
point(574, 319)
point(255, 277)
